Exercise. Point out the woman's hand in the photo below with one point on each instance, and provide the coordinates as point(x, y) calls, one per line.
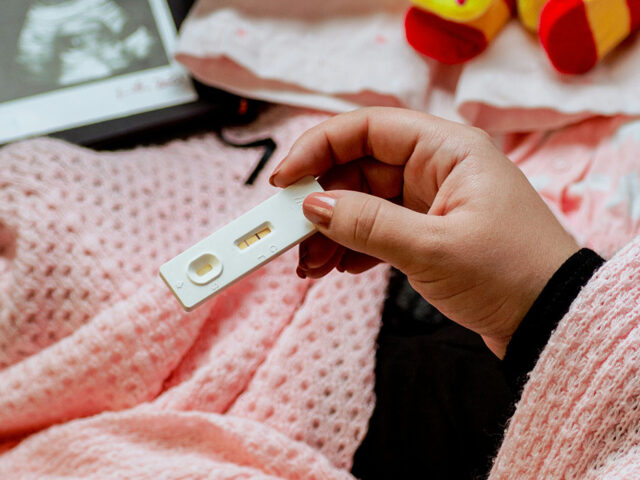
point(438, 201)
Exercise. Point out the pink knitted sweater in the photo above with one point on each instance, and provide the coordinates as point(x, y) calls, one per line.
point(579, 414)
point(271, 379)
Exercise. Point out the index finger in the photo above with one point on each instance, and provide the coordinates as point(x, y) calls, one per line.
point(390, 135)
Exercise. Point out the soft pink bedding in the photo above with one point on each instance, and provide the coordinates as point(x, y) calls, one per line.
point(341, 55)
point(271, 379)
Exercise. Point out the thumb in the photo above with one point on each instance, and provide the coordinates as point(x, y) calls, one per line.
point(370, 225)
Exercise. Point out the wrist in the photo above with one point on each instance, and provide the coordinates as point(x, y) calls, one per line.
point(535, 329)
point(522, 291)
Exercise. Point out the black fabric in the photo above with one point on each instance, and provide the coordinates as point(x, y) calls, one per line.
point(442, 398)
point(539, 323)
point(268, 144)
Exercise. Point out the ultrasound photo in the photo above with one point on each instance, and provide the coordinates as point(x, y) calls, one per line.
point(69, 64)
point(53, 44)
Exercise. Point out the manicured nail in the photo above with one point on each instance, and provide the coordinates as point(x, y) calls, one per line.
point(318, 208)
point(275, 172)
point(300, 273)
point(340, 268)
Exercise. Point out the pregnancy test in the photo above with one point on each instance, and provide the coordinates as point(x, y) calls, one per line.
point(240, 247)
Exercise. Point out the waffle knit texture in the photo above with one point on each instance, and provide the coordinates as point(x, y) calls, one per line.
point(579, 414)
point(273, 378)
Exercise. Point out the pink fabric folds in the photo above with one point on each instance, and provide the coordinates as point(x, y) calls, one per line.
point(331, 55)
point(590, 176)
point(340, 55)
point(271, 379)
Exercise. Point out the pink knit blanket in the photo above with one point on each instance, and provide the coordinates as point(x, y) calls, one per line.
point(102, 375)
point(271, 379)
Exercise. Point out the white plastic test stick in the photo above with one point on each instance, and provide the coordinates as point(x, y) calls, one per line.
point(240, 247)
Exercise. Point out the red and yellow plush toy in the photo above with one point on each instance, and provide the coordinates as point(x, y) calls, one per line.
point(575, 33)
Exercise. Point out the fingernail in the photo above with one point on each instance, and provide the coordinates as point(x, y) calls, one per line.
point(300, 273)
point(318, 208)
point(340, 268)
point(275, 172)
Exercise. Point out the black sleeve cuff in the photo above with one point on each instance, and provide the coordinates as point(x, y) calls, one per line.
point(536, 328)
